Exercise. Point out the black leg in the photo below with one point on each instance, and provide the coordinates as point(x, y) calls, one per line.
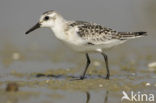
point(106, 62)
point(87, 64)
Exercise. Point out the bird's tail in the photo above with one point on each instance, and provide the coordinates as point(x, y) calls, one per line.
point(131, 35)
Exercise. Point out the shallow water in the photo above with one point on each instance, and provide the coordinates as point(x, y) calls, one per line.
point(49, 80)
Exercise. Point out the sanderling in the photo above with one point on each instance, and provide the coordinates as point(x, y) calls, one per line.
point(83, 36)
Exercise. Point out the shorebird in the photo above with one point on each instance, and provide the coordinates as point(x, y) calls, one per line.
point(84, 36)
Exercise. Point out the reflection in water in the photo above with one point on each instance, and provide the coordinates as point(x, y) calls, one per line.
point(88, 97)
point(105, 98)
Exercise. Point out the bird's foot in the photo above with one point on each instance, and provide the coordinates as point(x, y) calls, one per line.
point(81, 77)
point(107, 77)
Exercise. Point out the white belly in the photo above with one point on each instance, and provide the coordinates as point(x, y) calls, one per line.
point(93, 48)
point(71, 39)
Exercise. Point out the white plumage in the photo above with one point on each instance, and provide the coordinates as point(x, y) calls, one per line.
point(84, 36)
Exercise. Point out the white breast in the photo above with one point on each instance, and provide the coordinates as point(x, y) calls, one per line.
point(69, 37)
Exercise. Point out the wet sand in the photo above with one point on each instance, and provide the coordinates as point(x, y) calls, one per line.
point(55, 80)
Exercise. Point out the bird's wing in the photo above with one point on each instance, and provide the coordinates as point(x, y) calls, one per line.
point(94, 33)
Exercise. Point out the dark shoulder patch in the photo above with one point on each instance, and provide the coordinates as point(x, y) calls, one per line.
point(77, 23)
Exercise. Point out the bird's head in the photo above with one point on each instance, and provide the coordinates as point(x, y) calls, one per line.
point(47, 19)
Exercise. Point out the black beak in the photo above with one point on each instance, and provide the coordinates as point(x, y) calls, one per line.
point(33, 28)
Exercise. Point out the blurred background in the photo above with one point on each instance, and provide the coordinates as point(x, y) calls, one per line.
point(23, 56)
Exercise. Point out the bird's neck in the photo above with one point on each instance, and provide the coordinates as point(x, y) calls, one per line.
point(59, 28)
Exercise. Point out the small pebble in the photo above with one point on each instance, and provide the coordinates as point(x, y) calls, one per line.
point(133, 74)
point(16, 56)
point(96, 63)
point(100, 85)
point(12, 87)
point(47, 81)
point(152, 65)
point(148, 84)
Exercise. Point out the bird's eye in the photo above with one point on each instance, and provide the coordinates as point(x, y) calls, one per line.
point(46, 18)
